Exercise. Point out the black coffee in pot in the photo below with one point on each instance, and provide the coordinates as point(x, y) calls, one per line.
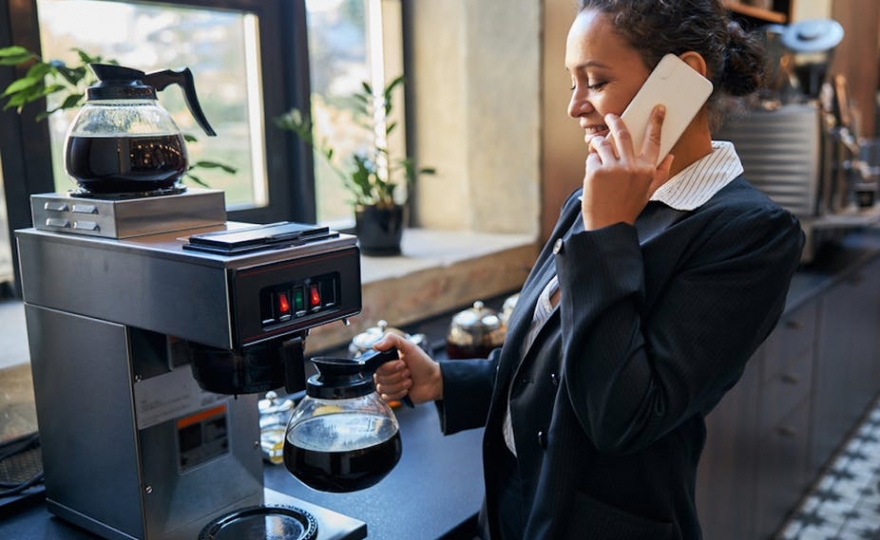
point(126, 163)
point(326, 452)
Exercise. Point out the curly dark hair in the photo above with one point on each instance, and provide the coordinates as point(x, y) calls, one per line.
point(735, 60)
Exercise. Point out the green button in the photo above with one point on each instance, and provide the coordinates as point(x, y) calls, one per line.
point(299, 299)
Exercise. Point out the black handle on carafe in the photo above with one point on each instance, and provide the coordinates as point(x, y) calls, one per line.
point(372, 359)
point(183, 78)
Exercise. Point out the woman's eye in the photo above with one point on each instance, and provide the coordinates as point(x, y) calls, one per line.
point(589, 86)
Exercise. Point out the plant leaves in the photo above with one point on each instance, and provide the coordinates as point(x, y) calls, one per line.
point(86, 58)
point(15, 60)
point(13, 50)
point(190, 176)
point(215, 165)
point(72, 75)
point(361, 176)
point(70, 102)
point(22, 84)
point(39, 70)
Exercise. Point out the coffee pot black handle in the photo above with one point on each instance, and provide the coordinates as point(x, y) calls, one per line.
point(372, 359)
point(183, 78)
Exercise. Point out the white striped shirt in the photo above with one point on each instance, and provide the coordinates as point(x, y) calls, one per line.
point(687, 190)
point(699, 181)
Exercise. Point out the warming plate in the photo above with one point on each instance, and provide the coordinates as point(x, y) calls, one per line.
point(128, 218)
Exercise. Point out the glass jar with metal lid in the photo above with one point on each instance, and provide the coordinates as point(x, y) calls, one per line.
point(474, 332)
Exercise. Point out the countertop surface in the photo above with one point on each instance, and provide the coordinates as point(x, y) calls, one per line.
point(435, 491)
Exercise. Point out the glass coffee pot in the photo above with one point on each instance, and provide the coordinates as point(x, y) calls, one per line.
point(122, 140)
point(342, 436)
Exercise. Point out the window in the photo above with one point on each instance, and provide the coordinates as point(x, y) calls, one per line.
point(221, 49)
point(350, 42)
point(249, 62)
point(6, 271)
point(338, 55)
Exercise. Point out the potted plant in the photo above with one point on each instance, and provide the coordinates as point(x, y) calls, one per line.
point(371, 178)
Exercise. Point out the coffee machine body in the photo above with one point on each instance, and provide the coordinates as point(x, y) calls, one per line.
point(138, 442)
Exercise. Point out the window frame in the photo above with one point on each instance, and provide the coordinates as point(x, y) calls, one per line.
point(284, 65)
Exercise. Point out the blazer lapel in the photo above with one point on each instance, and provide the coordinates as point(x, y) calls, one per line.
point(651, 222)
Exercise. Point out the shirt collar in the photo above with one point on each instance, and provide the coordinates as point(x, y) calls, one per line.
point(699, 181)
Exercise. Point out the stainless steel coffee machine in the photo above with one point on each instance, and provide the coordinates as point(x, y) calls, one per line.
point(154, 324)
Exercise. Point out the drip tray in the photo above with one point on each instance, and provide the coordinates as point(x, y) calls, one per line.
point(263, 523)
point(331, 525)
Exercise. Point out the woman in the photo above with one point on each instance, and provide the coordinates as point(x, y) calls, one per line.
point(660, 283)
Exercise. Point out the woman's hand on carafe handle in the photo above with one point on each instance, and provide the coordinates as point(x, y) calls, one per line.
point(416, 374)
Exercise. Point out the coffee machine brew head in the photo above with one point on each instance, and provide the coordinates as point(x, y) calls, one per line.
point(255, 368)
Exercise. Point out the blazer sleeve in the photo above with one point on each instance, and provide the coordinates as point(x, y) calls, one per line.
point(467, 391)
point(633, 374)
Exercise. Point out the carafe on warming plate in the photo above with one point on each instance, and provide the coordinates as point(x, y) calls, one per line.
point(122, 141)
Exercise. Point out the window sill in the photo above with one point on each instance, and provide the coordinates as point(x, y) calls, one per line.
point(439, 271)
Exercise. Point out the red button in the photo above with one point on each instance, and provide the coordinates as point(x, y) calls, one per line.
point(283, 304)
point(314, 296)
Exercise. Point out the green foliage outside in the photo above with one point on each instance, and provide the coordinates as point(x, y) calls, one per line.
point(370, 176)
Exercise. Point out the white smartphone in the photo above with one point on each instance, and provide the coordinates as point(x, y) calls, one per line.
point(679, 87)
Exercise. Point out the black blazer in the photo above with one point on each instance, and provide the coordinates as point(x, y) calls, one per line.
point(655, 323)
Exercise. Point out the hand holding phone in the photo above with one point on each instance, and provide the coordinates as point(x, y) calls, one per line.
point(677, 86)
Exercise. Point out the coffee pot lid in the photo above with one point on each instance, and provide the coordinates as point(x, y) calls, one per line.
point(343, 378)
point(119, 82)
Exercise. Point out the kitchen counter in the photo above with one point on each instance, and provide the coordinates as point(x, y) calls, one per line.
point(830, 265)
point(434, 492)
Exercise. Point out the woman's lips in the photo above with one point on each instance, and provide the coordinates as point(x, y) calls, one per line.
point(592, 131)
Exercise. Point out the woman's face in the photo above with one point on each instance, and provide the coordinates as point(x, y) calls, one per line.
point(605, 72)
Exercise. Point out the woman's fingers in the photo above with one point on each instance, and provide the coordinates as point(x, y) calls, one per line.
point(393, 379)
point(650, 150)
point(620, 137)
point(416, 374)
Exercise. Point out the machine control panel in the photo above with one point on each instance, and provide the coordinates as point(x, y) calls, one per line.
point(295, 295)
point(298, 299)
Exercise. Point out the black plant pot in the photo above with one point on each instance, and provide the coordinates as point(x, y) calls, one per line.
point(379, 229)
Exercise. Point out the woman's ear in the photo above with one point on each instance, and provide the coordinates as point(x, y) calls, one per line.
point(696, 61)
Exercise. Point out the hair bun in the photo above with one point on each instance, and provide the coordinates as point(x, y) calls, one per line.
point(745, 52)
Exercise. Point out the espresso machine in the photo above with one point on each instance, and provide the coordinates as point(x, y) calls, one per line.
point(154, 325)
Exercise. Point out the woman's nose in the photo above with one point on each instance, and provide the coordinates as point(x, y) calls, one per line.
point(578, 105)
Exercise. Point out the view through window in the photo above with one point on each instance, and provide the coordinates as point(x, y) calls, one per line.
point(221, 48)
point(339, 62)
